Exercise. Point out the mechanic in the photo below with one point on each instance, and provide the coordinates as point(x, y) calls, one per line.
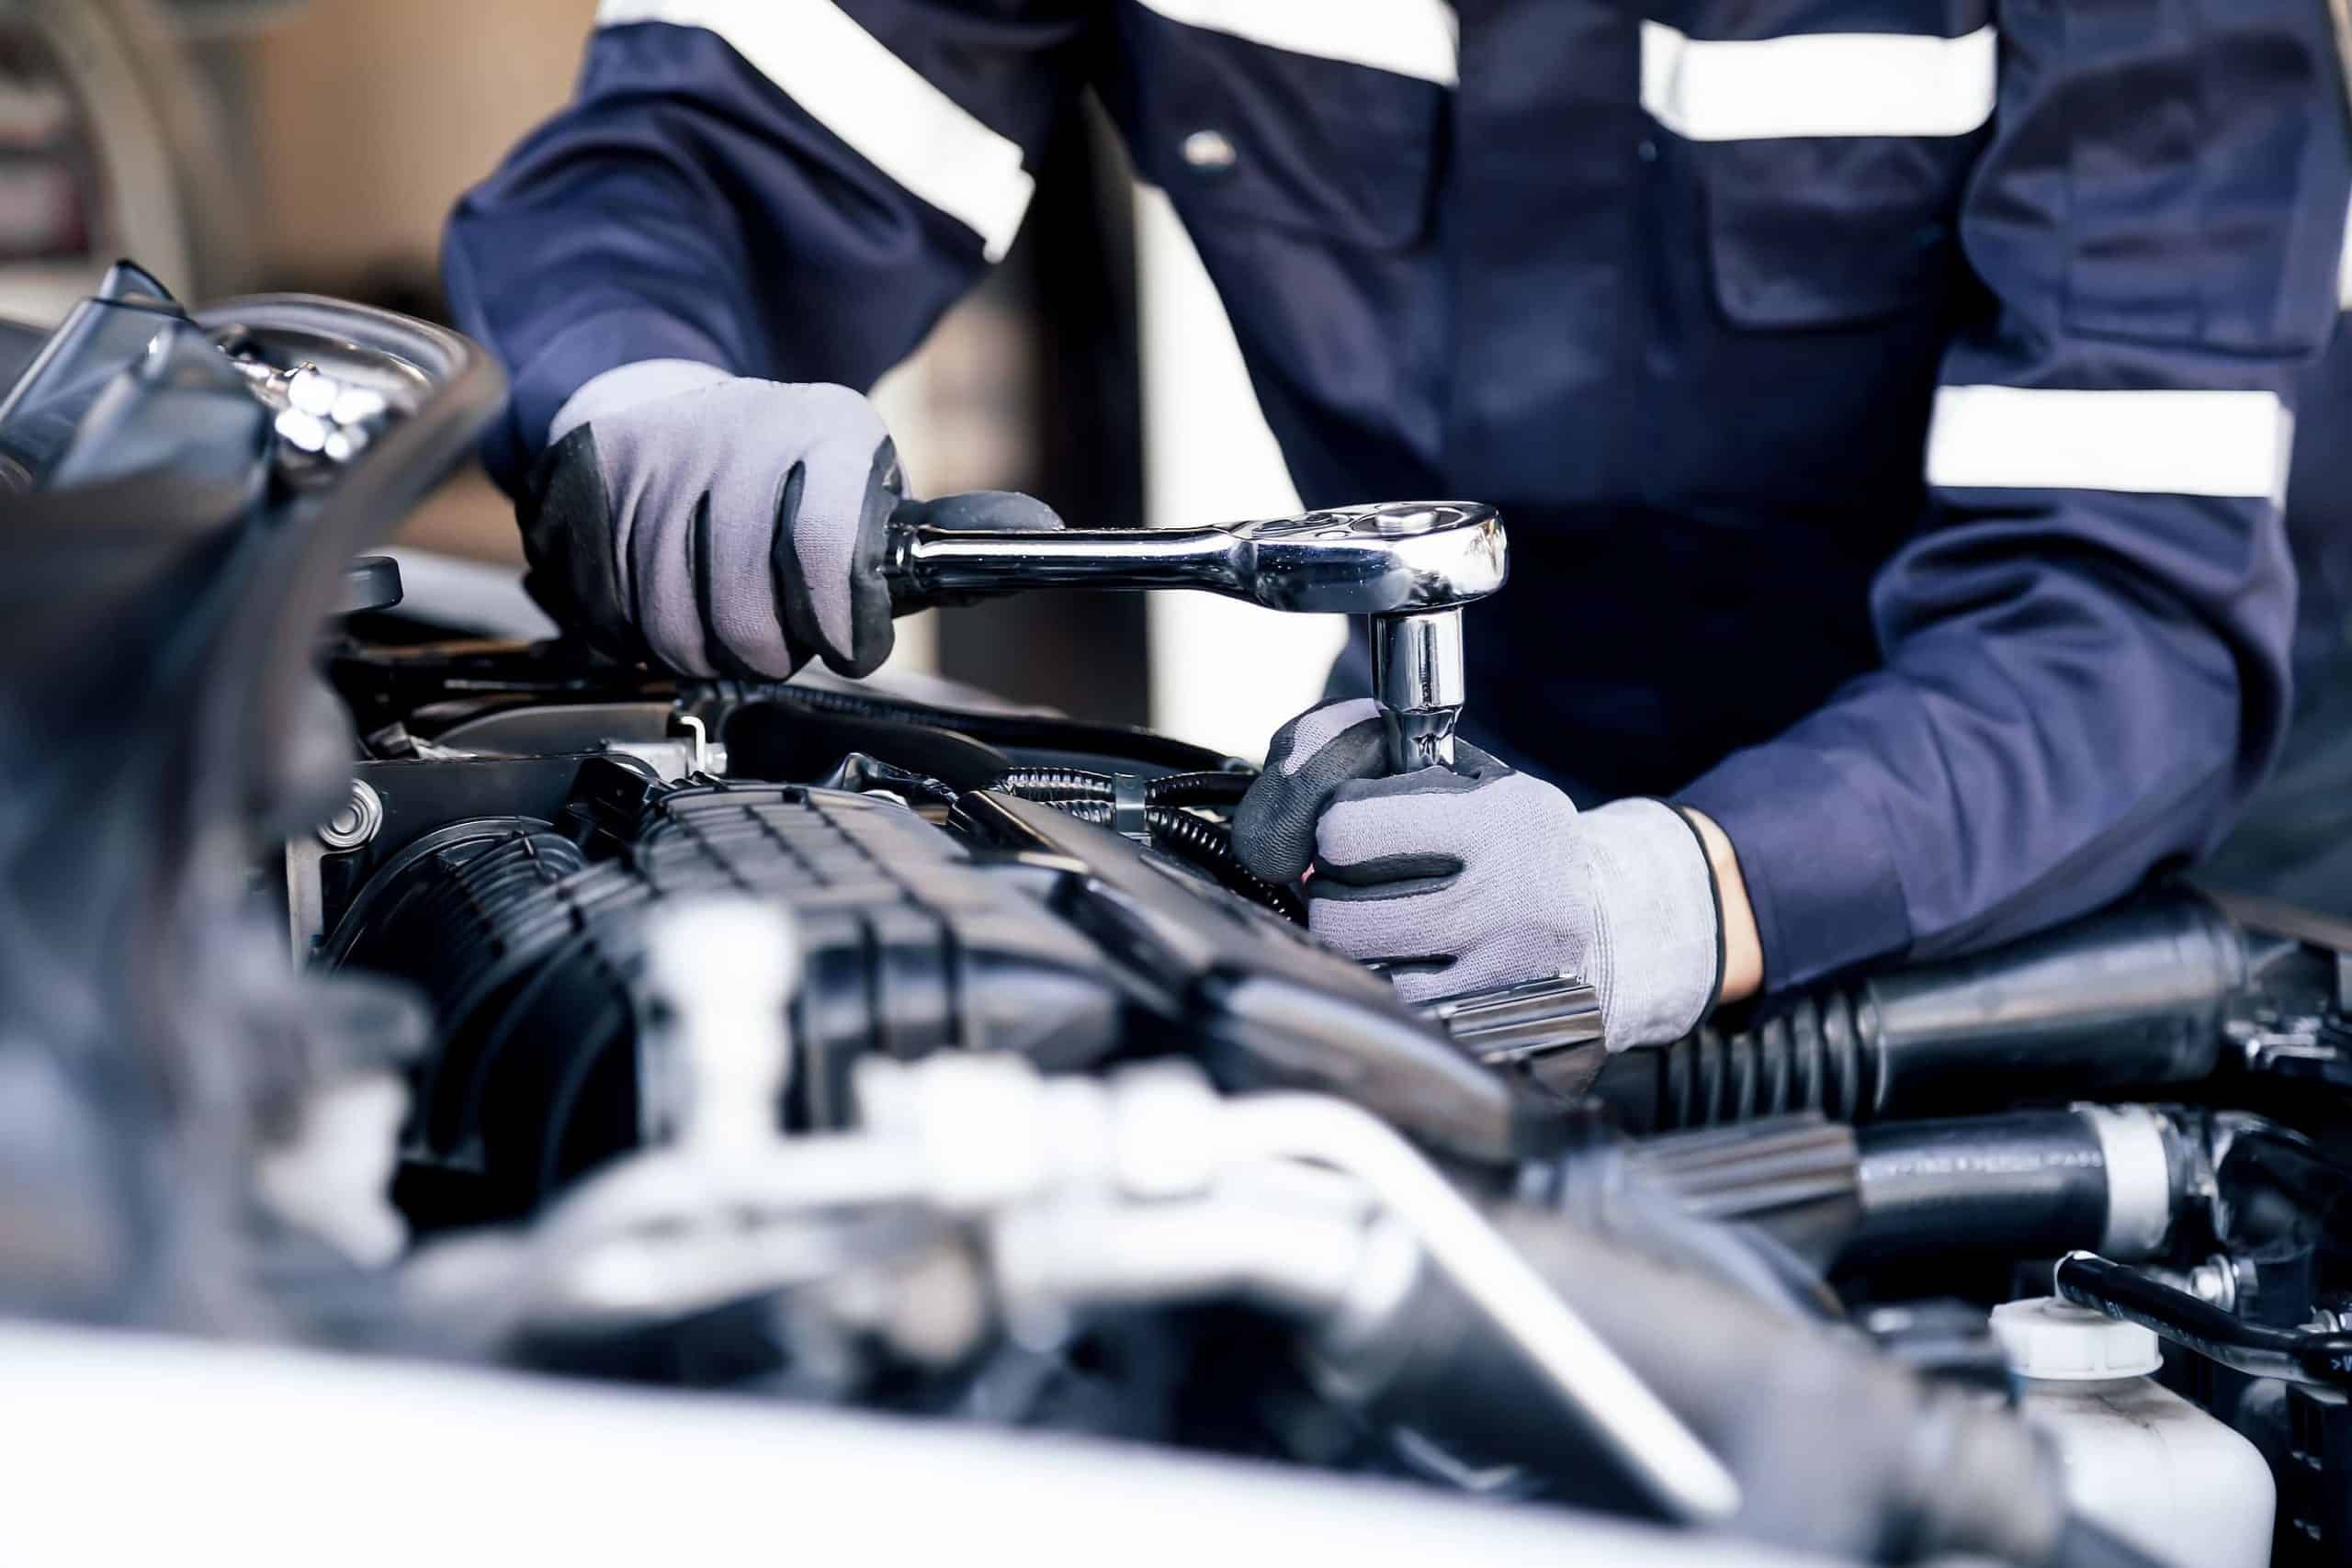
point(1889, 401)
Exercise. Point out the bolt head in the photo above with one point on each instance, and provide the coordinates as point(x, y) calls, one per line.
point(356, 821)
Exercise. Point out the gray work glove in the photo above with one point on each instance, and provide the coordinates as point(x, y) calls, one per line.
point(722, 526)
point(1464, 879)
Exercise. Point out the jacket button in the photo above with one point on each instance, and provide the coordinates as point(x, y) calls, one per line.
point(1209, 151)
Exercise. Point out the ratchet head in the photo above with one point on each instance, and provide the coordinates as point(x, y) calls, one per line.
point(1409, 566)
point(1397, 558)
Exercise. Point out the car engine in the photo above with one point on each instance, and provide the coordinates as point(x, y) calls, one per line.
point(371, 985)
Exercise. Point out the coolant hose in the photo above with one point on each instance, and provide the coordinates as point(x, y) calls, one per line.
point(2035, 1184)
point(2130, 997)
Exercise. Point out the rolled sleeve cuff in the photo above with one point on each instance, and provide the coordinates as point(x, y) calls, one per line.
point(1819, 873)
point(577, 356)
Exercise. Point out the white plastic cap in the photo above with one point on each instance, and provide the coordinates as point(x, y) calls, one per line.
point(2059, 1342)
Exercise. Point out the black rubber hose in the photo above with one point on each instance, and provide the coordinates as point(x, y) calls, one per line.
point(1048, 732)
point(790, 740)
point(1824, 1053)
point(2035, 1183)
point(2319, 1357)
point(2132, 998)
point(1198, 788)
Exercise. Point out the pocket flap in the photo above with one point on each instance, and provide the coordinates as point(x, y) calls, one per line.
point(1234, 129)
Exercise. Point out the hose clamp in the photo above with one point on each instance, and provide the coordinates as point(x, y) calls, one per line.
point(1128, 803)
point(2135, 1145)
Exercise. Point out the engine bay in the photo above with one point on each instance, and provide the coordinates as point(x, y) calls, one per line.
point(493, 1004)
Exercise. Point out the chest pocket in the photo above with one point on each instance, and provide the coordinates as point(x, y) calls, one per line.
point(1829, 165)
point(1806, 233)
point(1240, 133)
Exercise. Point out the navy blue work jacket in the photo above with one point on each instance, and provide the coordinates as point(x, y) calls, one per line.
point(1889, 399)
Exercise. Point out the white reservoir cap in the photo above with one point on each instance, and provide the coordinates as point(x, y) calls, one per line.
point(2045, 1337)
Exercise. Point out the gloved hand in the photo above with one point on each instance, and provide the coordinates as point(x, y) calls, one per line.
point(1460, 880)
point(723, 526)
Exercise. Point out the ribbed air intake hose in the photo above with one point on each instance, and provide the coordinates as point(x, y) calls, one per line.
point(2132, 998)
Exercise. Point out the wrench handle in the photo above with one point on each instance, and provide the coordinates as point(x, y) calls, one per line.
point(927, 565)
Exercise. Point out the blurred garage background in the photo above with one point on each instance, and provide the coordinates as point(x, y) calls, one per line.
point(235, 145)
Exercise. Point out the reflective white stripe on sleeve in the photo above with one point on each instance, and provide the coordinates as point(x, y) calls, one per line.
point(882, 106)
point(1412, 37)
point(1818, 84)
point(2344, 281)
point(2155, 443)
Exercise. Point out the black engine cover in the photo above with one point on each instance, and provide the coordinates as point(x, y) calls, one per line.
point(529, 939)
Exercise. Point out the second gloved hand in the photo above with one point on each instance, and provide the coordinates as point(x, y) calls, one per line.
point(719, 525)
point(1465, 879)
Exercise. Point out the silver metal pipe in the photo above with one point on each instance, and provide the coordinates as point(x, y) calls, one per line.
point(1647, 1438)
point(1303, 1264)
